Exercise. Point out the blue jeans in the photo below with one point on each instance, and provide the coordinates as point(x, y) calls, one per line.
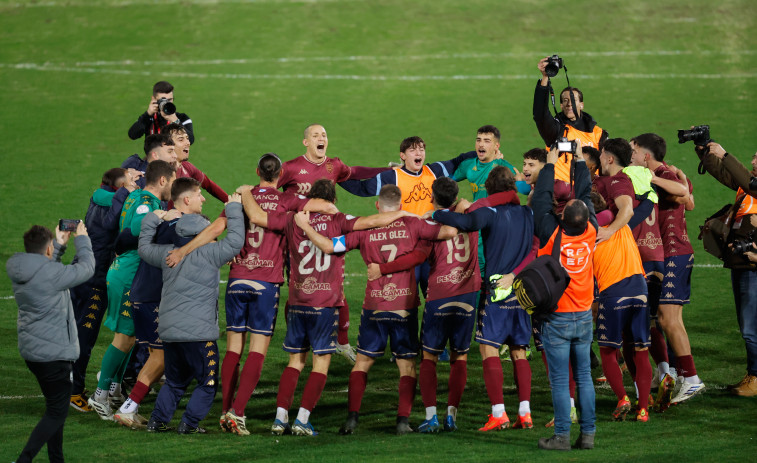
point(744, 284)
point(567, 341)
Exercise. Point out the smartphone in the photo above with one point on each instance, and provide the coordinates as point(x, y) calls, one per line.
point(68, 224)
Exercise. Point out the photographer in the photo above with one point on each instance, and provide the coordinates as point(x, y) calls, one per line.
point(160, 112)
point(740, 255)
point(572, 123)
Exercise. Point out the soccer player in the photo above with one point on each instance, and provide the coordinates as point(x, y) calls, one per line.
point(159, 178)
point(679, 260)
point(391, 302)
point(189, 315)
point(299, 174)
point(454, 282)
point(156, 147)
point(252, 293)
point(180, 138)
point(154, 120)
point(145, 297)
point(507, 232)
point(90, 299)
point(315, 289)
point(619, 274)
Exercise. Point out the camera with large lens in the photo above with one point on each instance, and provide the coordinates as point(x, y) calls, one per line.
point(700, 135)
point(745, 245)
point(564, 145)
point(554, 63)
point(166, 107)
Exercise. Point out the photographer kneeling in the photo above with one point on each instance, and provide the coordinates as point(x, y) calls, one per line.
point(740, 254)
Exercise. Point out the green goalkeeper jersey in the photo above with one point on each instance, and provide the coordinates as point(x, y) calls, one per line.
point(137, 205)
point(476, 172)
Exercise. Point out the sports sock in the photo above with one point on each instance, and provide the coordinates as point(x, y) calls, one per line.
point(287, 385)
point(524, 407)
point(115, 389)
point(110, 364)
point(138, 393)
point(612, 371)
point(248, 381)
point(572, 402)
point(452, 411)
point(282, 414)
point(493, 380)
point(643, 377)
point(498, 410)
point(407, 394)
point(523, 378)
point(686, 367)
point(344, 324)
point(229, 375)
point(129, 407)
point(313, 389)
point(303, 415)
point(629, 355)
point(458, 376)
point(356, 390)
point(658, 349)
point(428, 380)
point(101, 395)
point(663, 368)
point(118, 377)
point(430, 412)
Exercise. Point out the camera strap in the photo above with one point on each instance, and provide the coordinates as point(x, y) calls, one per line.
point(551, 94)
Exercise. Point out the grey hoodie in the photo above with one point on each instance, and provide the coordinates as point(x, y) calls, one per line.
point(46, 324)
point(189, 300)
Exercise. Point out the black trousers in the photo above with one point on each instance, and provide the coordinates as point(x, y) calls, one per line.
point(54, 379)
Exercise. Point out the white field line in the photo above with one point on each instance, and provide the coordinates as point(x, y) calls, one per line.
point(355, 77)
point(20, 397)
point(434, 56)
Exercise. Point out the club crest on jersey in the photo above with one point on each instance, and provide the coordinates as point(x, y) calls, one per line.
point(143, 209)
point(329, 167)
point(390, 292)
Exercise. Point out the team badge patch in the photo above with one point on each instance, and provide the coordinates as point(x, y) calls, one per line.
point(143, 209)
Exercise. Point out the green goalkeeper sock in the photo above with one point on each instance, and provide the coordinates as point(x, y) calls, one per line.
point(110, 365)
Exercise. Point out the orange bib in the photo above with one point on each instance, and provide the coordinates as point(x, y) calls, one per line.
point(416, 190)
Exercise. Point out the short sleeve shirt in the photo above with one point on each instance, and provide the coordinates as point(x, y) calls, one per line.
point(675, 237)
point(299, 174)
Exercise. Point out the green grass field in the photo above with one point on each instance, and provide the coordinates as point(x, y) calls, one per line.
point(252, 74)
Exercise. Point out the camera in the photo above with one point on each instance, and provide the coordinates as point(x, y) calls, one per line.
point(68, 225)
point(166, 107)
point(554, 63)
point(566, 146)
point(700, 135)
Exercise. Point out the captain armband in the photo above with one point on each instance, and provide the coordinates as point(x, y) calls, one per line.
point(339, 243)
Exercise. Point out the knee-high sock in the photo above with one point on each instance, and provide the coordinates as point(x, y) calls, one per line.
point(523, 378)
point(643, 377)
point(686, 366)
point(313, 389)
point(458, 376)
point(493, 380)
point(139, 391)
point(612, 371)
point(356, 390)
point(109, 368)
point(658, 348)
point(407, 394)
point(248, 381)
point(344, 324)
point(629, 355)
point(428, 381)
point(287, 385)
point(229, 375)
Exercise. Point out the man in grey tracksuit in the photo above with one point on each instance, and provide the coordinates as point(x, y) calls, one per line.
point(188, 324)
point(47, 338)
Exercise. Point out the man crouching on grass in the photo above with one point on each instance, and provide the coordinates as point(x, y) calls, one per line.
point(188, 322)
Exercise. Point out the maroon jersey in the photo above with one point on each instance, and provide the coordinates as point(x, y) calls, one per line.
point(647, 236)
point(454, 267)
point(675, 238)
point(315, 279)
point(187, 169)
point(299, 174)
point(396, 291)
point(262, 256)
point(613, 186)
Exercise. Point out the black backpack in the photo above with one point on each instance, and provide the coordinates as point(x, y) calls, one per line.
point(542, 283)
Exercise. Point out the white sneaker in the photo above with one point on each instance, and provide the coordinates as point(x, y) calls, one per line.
point(116, 400)
point(103, 409)
point(686, 390)
point(347, 351)
point(236, 424)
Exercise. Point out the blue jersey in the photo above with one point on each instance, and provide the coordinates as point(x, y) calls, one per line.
point(148, 281)
point(507, 232)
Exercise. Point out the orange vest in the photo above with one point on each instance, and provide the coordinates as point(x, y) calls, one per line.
point(416, 190)
point(562, 168)
point(748, 205)
point(616, 259)
point(576, 258)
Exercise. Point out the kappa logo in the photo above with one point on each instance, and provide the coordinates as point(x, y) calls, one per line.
point(88, 325)
point(602, 327)
point(671, 264)
point(614, 182)
point(419, 193)
point(670, 285)
point(303, 172)
point(601, 317)
point(672, 225)
point(668, 295)
point(670, 275)
point(603, 337)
